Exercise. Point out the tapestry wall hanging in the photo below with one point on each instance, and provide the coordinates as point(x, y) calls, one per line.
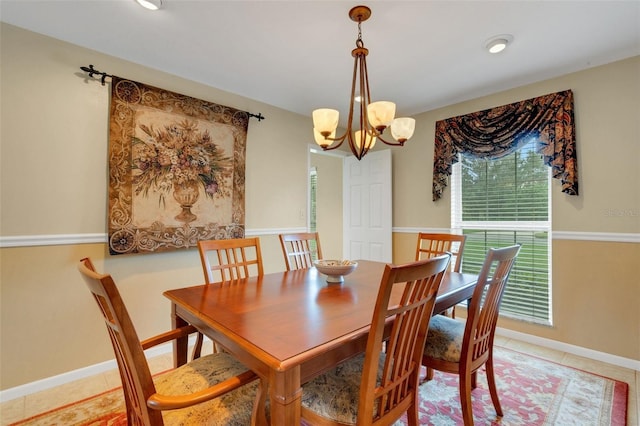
point(176, 170)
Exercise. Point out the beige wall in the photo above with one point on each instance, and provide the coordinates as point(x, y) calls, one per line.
point(53, 138)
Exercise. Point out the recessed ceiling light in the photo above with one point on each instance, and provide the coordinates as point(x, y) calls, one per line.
point(498, 43)
point(150, 4)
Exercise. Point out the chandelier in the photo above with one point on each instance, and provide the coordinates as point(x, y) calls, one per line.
point(375, 117)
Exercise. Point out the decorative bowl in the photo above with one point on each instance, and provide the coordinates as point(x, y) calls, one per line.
point(335, 270)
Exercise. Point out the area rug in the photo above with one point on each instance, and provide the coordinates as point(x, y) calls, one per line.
point(532, 391)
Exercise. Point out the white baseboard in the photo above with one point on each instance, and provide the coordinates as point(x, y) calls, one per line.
point(572, 349)
point(81, 373)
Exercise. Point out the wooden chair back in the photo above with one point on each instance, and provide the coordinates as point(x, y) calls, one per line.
point(300, 249)
point(398, 389)
point(434, 244)
point(482, 314)
point(137, 382)
point(229, 260)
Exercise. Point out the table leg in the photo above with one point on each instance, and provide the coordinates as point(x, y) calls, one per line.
point(285, 394)
point(181, 344)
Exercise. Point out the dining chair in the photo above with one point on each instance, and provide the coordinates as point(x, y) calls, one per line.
point(300, 249)
point(434, 244)
point(379, 386)
point(229, 260)
point(213, 389)
point(463, 348)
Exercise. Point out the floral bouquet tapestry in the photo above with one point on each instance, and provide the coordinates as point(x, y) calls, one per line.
point(176, 170)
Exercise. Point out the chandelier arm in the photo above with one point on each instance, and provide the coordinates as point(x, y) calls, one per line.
point(349, 133)
point(334, 145)
point(394, 143)
point(375, 133)
point(353, 91)
point(354, 149)
point(364, 101)
point(365, 72)
point(359, 72)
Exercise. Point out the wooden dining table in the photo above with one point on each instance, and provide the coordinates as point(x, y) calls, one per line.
point(290, 326)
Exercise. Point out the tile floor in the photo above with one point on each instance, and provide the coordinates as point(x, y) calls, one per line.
point(21, 408)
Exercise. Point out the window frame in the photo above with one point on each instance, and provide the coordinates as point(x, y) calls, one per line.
point(458, 226)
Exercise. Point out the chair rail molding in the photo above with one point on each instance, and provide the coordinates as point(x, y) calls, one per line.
point(73, 239)
point(614, 237)
point(51, 240)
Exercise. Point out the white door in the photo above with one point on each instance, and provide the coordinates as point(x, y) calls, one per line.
point(367, 207)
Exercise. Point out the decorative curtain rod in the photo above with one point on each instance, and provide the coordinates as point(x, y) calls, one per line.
point(92, 71)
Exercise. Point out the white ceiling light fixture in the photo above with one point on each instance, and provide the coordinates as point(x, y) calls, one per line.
point(375, 117)
point(150, 4)
point(498, 43)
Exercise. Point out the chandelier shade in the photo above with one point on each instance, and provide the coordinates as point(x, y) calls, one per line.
point(402, 128)
point(369, 141)
point(381, 114)
point(325, 121)
point(374, 117)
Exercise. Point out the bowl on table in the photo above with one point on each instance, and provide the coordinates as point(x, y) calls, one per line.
point(335, 270)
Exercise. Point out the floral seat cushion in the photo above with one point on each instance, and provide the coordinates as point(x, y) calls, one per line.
point(444, 340)
point(233, 408)
point(335, 394)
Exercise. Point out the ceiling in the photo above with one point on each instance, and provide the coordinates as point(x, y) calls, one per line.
point(296, 55)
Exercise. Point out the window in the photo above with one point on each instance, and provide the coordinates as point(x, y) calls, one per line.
point(313, 210)
point(313, 192)
point(500, 202)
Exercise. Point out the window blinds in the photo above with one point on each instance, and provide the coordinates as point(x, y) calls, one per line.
point(500, 202)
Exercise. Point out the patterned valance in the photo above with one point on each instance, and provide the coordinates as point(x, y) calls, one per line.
point(496, 132)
